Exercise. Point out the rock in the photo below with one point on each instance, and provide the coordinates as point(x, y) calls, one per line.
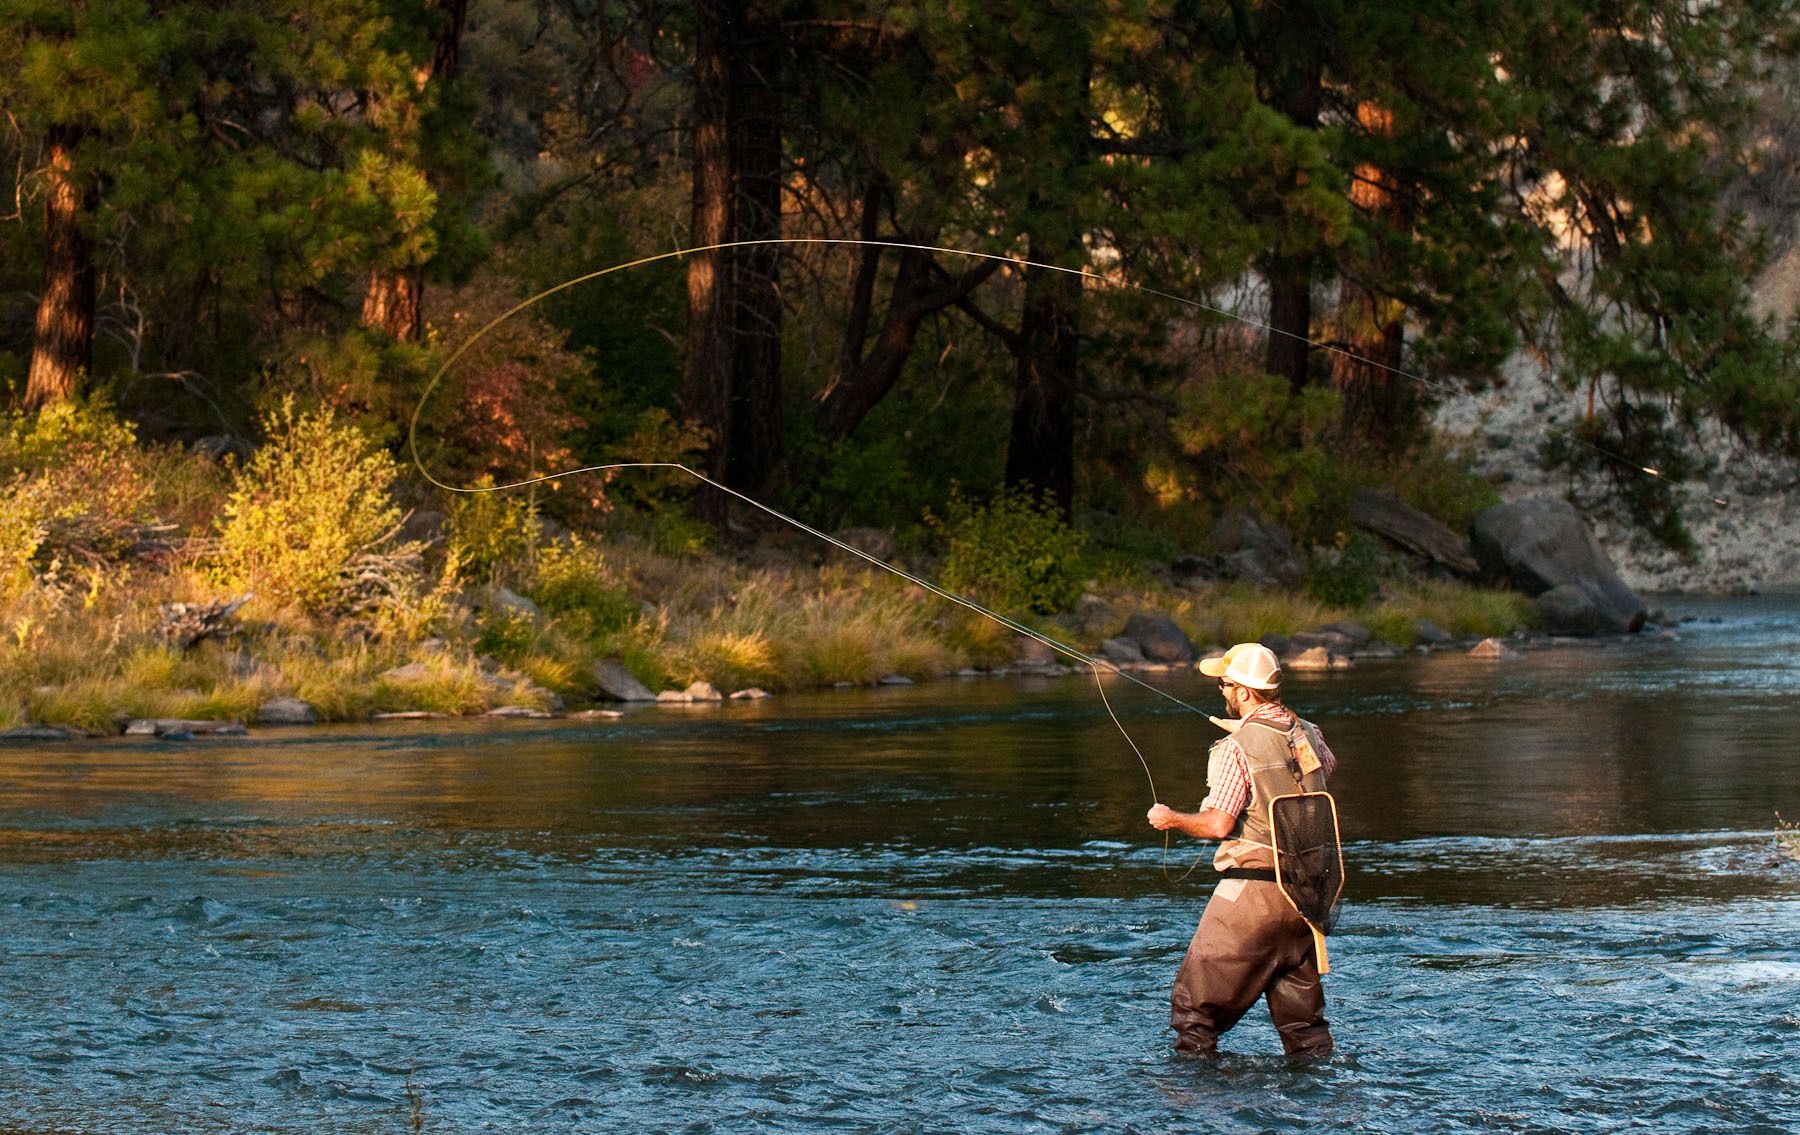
point(612, 679)
point(1428, 633)
point(517, 711)
point(411, 672)
point(177, 729)
point(1314, 659)
point(893, 680)
point(1028, 651)
point(185, 624)
point(505, 601)
point(672, 697)
point(286, 711)
point(703, 691)
point(37, 733)
point(410, 715)
point(243, 667)
point(1494, 649)
point(1383, 514)
point(1376, 649)
point(597, 715)
point(1540, 544)
point(1352, 631)
point(1333, 641)
point(871, 542)
point(1580, 609)
point(1277, 644)
point(424, 526)
point(1158, 638)
point(753, 693)
point(1250, 548)
point(1121, 650)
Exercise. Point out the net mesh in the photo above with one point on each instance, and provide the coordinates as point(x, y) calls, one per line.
point(1309, 857)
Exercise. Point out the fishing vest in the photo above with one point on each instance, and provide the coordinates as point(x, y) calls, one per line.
point(1267, 750)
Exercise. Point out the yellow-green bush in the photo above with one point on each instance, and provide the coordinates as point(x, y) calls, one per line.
point(304, 507)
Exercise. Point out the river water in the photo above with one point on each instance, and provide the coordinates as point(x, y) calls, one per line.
point(934, 908)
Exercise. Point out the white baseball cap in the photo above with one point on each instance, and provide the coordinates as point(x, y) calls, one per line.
point(1248, 664)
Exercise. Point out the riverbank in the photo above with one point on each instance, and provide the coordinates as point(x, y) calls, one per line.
point(589, 625)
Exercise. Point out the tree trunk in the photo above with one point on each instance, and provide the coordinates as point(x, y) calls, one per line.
point(1040, 452)
point(1293, 71)
point(754, 116)
point(706, 370)
point(63, 344)
point(1376, 404)
point(393, 304)
point(1288, 348)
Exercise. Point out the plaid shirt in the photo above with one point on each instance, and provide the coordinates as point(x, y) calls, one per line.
point(1228, 775)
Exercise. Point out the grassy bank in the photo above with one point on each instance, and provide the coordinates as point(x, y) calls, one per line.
point(359, 606)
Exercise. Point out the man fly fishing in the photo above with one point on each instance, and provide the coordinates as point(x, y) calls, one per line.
point(1282, 870)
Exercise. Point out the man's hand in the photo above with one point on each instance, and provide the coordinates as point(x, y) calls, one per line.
point(1162, 817)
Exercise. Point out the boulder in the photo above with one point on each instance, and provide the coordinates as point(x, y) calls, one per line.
point(1121, 650)
point(703, 691)
point(1428, 633)
point(1315, 659)
point(1382, 514)
point(612, 679)
point(1028, 651)
point(893, 680)
point(753, 693)
point(177, 729)
point(1158, 638)
point(525, 711)
point(1250, 548)
point(505, 601)
point(1493, 648)
point(1541, 544)
point(286, 711)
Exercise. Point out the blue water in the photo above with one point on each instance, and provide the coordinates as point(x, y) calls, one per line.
point(934, 909)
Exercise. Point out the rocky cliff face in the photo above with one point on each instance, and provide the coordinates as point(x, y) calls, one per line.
point(1745, 518)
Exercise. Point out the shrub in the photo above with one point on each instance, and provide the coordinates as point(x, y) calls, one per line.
point(572, 582)
point(304, 507)
point(492, 533)
point(1014, 553)
point(1348, 576)
point(76, 487)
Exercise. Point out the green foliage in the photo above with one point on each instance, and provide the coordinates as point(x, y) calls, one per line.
point(1348, 575)
point(77, 486)
point(304, 507)
point(1014, 553)
point(1255, 435)
point(493, 534)
point(572, 583)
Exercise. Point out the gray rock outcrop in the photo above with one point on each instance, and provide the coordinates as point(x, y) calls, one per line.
point(1543, 547)
point(612, 679)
